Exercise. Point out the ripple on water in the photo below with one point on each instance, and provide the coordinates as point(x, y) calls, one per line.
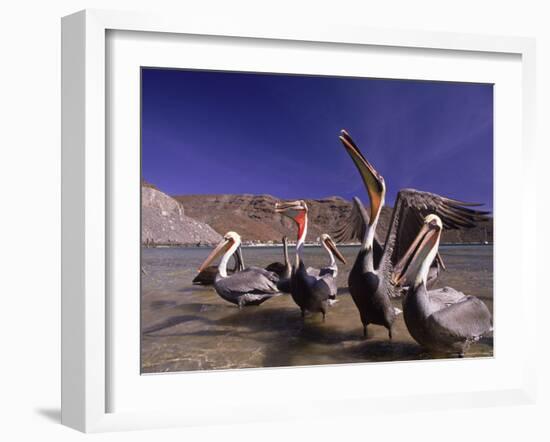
point(187, 327)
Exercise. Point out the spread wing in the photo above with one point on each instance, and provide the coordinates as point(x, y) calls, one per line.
point(411, 207)
point(354, 229)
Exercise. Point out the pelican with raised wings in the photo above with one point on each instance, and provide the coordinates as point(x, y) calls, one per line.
point(443, 320)
point(372, 280)
point(251, 286)
point(314, 289)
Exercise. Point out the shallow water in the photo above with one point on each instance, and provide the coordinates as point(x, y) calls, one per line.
point(187, 327)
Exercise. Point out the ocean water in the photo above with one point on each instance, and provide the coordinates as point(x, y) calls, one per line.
point(187, 327)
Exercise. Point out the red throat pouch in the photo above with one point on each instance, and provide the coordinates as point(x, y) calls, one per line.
point(301, 221)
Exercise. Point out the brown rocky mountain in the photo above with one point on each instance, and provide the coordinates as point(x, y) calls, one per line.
point(253, 217)
point(163, 221)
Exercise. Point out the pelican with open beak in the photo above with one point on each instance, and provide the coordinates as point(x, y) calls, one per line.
point(329, 272)
point(372, 280)
point(251, 286)
point(330, 246)
point(443, 320)
point(312, 291)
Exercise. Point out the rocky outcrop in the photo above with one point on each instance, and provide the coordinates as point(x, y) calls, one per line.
point(163, 221)
point(254, 218)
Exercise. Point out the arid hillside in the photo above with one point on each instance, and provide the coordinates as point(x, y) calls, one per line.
point(254, 218)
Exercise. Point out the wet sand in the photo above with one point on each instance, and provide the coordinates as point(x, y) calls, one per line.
point(187, 327)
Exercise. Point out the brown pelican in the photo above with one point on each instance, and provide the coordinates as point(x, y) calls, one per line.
point(372, 281)
point(442, 320)
point(281, 269)
point(332, 268)
point(251, 286)
point(329, 273)
point(310, 292)
point(284, 271)
point(208, 275)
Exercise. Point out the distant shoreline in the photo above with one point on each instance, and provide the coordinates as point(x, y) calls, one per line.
point(279, 245)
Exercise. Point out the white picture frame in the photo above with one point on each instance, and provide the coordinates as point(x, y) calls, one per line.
point(85, 201)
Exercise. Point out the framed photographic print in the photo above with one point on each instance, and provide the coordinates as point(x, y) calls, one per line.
point(264, 218)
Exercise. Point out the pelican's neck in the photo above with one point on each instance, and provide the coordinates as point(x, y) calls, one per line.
point(419, 300)
point(422, 275)
point(302, 233)
point(368, 261)
point(370, 229)
point(238, 264)
point(419, 294)
point(330, 254)
point(242, 265)
point(288, 268)
point(222, 268)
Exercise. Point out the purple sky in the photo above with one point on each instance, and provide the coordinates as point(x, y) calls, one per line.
point(216, 132)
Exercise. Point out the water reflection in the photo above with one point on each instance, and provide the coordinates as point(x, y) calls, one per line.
point(186, 327)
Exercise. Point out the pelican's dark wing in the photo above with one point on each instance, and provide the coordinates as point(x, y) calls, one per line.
point(444, 297)
point(312, 271)
point(468, 319)
point(331, 284)
point(327, 275)
point(411, 207)
point(252, 280)
point(353, 229)
point(272, 276)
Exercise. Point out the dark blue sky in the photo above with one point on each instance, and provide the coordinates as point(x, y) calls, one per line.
point(216, 132)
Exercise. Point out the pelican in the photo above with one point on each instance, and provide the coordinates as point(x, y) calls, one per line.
point(280, 268)
point(372, 280)
point(283, 270)
point(251, 286)
point(310, 292)
point(208, 275)
point(332, 268)
point(329, 273)
point(443, 320)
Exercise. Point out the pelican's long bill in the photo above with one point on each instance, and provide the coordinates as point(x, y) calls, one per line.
point(374, 182)
point(224, 245)
point(427, 239)
point(332, 246)
point(296, 210)
point(292, 209)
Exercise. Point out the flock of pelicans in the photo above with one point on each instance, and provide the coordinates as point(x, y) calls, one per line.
point(442, 320)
